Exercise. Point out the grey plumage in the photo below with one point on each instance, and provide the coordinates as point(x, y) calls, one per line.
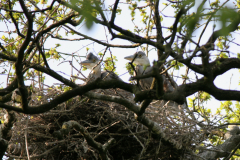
point(107, 75)
point(92, 62)
point(146, 82)
point(143, 67)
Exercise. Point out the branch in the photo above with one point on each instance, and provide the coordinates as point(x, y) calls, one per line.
point(180, 13)
point(104, 18)
point(222, 32)
point(20, 53)
point(124, 102)
point(8, 57)
point(221, 94)
point(187, 62)
point(222, 150)
point(156, 129)
point(9, 88)
point(39, 10)
point(102, 43)
point(114, 11)
point(126, 34)
point(144, 105)
point(72, 93)
point(14, 21)
point(43, 55)
point(157, 22)
point(6, 98)
point(46, 30)
point(58, 23)
point(178, 95)
point(3, 147)
point(222, 65)
point(5, 130)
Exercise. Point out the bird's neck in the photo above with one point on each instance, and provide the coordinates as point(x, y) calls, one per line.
point(144, 62)
point(97, 70)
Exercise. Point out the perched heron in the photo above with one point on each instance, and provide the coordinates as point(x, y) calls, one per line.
point(143, 67)
point(93, 63)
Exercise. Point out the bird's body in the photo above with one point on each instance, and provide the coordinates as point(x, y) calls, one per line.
point(92, 63)
point(146, 82)
point(142, 68)
point(108, 75)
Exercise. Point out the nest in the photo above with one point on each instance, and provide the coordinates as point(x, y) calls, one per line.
point(103, 120)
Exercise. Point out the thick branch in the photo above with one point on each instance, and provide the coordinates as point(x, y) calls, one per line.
point(180, 13)
point(72, 93)
point(5, 130)
point(9, 88)
point(222, 150)
point(19, 65)
point(14, 21)
point(222, 32)
point(187, 62)
point(222, 65)
point(114, 11)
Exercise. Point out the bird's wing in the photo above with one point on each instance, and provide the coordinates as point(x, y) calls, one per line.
point(167, 86)
point(91, 77)
point(145, 83)
point(108, 75)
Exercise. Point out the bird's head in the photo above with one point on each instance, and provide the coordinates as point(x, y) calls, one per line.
point(141, 58)
point(91, 61)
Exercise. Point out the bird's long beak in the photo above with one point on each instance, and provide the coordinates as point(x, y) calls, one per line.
point(130, 58)
point(86, 62)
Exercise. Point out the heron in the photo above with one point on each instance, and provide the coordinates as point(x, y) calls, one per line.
point(143, 67)
point(93, 63)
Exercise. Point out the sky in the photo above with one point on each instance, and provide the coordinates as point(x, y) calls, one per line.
point(229, 80)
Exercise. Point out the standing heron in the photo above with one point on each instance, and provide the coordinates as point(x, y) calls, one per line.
point(143, 67)
point(93, 63)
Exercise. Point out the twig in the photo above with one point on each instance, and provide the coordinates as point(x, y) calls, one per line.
point(26, 142)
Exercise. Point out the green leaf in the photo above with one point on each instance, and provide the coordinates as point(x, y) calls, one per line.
point(238, 55)
point(223, 55)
